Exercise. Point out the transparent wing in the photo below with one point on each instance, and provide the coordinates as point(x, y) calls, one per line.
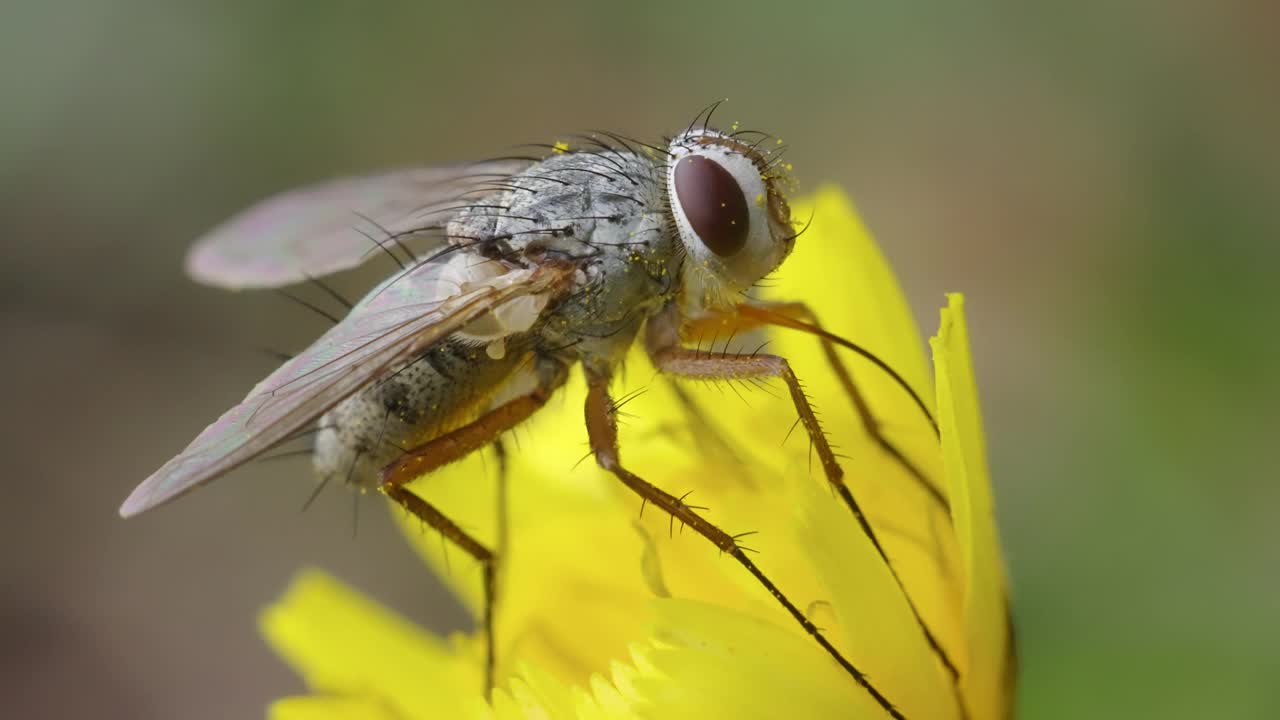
point(332, 226)
point(397, 321)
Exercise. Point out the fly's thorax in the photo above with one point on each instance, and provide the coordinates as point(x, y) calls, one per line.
point(606, 212)
point(570, 205)
point(446, 387)
point(617, 290)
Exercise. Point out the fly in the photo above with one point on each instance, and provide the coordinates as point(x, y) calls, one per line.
point(529, 267)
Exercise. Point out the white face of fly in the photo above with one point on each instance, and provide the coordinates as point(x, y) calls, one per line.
point(732, 219)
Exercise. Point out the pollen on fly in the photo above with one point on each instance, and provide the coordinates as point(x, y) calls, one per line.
point(509, 273)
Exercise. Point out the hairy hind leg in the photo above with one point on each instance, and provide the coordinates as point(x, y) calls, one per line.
point(455, 445)
point(429, 514)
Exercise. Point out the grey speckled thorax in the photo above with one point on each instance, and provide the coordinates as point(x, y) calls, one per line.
point(608, 214)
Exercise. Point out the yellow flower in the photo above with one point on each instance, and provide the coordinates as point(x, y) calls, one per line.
point(608, 612)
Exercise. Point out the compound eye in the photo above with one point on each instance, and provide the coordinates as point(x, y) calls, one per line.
point(713, 203)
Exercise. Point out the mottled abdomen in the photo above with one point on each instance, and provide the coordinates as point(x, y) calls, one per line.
point(445, 388)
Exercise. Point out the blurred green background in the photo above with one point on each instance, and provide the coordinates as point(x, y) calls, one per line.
point(1101, 179)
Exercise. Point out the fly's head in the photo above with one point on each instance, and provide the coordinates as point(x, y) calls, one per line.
point(727, 204)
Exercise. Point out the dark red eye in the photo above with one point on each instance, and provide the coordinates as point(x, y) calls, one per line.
point(713, 202)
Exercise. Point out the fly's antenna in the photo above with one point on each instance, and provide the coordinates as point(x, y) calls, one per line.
point(802, 230)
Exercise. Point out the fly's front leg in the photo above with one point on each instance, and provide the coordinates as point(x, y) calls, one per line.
point(602, 431)
point(799, 316)
point(673, 360)
point(453, 446)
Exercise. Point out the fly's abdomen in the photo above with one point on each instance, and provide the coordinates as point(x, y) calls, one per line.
point(443, 389)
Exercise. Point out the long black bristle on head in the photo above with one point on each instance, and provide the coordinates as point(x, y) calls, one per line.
point(711, 112)
point(704, 111)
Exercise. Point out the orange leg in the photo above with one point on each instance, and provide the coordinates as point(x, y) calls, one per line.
point(430, 515)
point(453, 446)
point(602, 431)
point(798, 316)
point(681, 362)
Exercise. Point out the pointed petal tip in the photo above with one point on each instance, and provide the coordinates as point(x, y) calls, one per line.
point(947, 315)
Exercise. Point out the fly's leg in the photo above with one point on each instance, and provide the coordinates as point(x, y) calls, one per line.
point(681, 362)
point(503, 516)
point(799, 316)
point(502, 536)
point(429, 514)
point(456, 445)
point(602, 431)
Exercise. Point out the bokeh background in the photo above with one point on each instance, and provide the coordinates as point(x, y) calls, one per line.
point(1102, 179)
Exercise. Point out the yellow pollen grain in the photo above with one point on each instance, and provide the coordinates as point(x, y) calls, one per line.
point(560, 147)
point(759, 199)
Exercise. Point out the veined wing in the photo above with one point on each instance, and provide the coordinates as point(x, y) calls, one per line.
point(394, 323)
point(332, 226)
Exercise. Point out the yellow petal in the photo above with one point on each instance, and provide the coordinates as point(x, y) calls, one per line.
point(344, 645)
point(710, 662)
point(571, 592)
point(838, 269)
point(880, 635)
point(536, 694)
point(986, 678)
